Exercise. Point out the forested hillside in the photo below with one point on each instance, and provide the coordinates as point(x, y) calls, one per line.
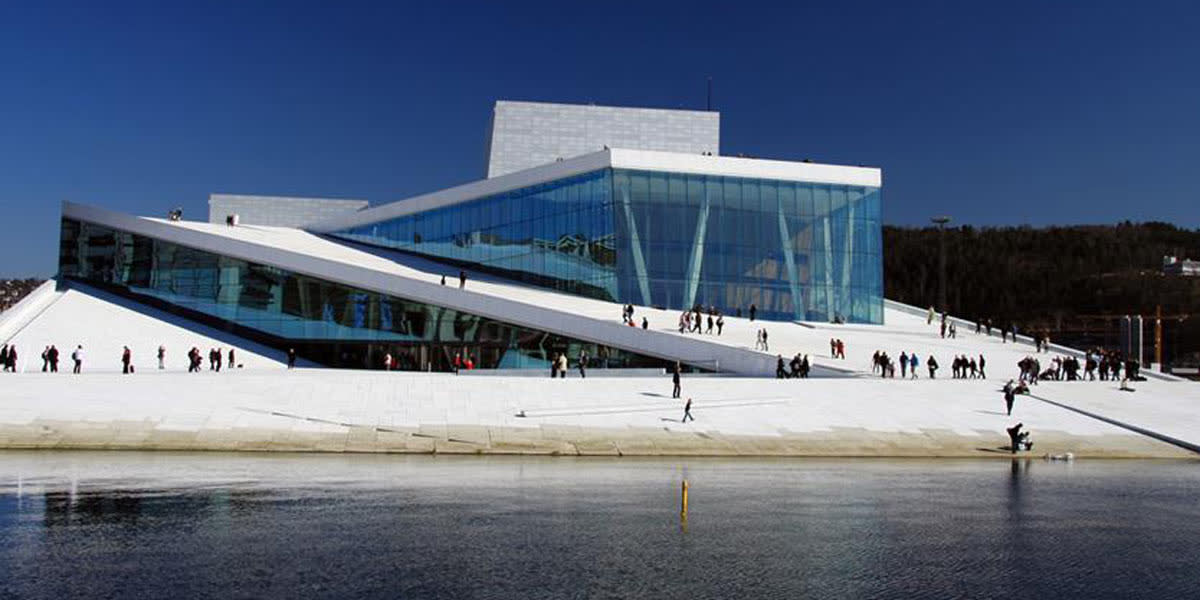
point(1060, 278)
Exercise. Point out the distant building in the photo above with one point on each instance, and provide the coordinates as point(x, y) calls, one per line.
point(524, 135)
point(1173, 265)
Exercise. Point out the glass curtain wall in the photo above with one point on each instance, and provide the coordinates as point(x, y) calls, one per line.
point(557, 234)
point(793, 250)
point(328, 322)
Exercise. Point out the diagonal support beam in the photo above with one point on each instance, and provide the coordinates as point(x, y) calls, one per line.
point(635, 242)
point(692, 278)
point(789, 261)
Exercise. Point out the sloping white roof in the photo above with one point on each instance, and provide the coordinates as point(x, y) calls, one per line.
point(642, 160)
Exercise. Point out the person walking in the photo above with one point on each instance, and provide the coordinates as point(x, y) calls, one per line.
point(645, 323)
point(687, 412)
point(291, 358)
point(443, 279)
point(720, 324)
point(126, 359)
point(583, 361)
point(231, 361)
point(982, 364)
point(53, 358)
point(766, 348)
point(1010, 396)
point(932, 365)
point(462, 279)
point(675, 380)
point(753, 311)
point(162, 354)
point(554, 366)
point(913, 363)
point(46, 359)
point(77, 356)
point(562, 365)
point(903, 365)
point(780, 371)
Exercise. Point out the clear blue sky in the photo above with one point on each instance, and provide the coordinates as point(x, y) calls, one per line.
point(996, 113)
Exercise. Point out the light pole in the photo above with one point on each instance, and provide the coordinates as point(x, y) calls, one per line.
point(941, 223)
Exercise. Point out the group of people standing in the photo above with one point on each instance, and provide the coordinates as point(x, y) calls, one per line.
point(627, 318)
point(968, 368)
point(693, 321)
point(195, 360)
point(799, 367)
point(8, 358)
point(760, 340)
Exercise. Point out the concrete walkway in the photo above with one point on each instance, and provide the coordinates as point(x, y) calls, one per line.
point(359, 411)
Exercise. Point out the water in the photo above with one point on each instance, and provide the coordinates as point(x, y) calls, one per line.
point(118, 525)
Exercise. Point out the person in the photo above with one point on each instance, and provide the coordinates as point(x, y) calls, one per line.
point(982, 364)
point(4, 358)
point(1010, 396)
point(231, 358)
point(443, 279)
point(583, 359)
point(217, 358)
point(562, 365)
point(126, 359)
point(766, 348)
point(841, 349)
point(554, 366)
point(720, 323)
point(1018, 440)
point(753, 311)
point(291, 358)
point(162, 354)
point(832, 348)
point(53, 358)
point(780, 372)
point(931, 363)
point(645, 323)
point(943, 328)
point(675, 380)
point(929, 317)
point(687, 412)
point(903, 365)
point(469, 363)
point(77, 356)
point(913, 363)
point(387, 361)
point(457, 362)
point(462, 279)
point(711, 322)
point(46, 359)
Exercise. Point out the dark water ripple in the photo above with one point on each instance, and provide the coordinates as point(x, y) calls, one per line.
point(90, 525)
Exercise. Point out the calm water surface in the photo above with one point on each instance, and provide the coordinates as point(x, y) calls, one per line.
point(122, 525)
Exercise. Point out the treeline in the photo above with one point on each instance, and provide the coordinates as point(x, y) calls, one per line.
point(1060, 278)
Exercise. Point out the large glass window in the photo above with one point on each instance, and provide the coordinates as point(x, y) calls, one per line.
point(795, 250)
point(328, 322)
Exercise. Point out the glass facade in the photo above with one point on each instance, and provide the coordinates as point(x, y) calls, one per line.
point(794, 250)
point(327, 322)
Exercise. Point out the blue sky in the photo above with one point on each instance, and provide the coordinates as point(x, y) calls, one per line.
point(995, 113)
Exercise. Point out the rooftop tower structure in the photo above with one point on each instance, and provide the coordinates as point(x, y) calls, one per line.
point(530, 134)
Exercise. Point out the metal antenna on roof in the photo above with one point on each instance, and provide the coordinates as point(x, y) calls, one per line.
point(708, 105)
